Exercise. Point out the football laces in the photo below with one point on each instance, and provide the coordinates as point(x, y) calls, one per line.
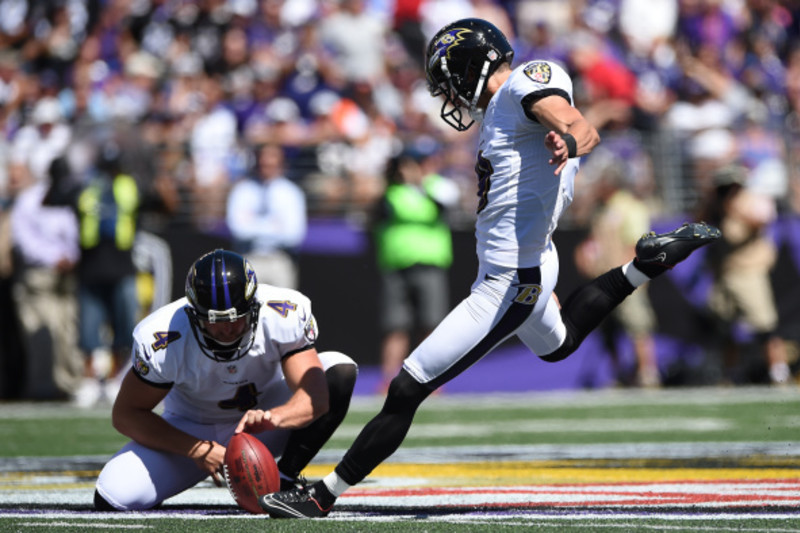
point(227, 476)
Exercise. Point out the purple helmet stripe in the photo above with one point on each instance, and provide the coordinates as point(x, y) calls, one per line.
point(226, 285)
point(213, 285)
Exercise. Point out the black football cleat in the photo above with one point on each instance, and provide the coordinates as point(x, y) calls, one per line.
point(300, 502)
point(292, 484)
point(657, 253)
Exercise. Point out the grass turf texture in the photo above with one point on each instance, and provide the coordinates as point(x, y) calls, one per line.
point(547, 428)
point(577, 525)
point(615, 416)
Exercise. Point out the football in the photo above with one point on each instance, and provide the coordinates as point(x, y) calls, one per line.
point(250, 471)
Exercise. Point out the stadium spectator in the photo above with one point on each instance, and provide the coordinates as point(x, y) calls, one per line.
point(762, 151)
point(213, 147)
point(10, 349)
point(496, 13)
point(647, 25)
point(710, 23)
point(414, 251)
point(106, 201)
point(407, 25)
point(266, 216)
point(143, 56)
point(355, 37)
point(12, 80)
point(537, 38)
point(741, 265)
point(609, 86)
point(45, 241)
point(621, 218)
point(37, 143)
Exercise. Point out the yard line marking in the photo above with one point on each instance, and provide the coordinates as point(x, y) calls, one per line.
point(95, 525)
point(446, 431)
point(610, 397)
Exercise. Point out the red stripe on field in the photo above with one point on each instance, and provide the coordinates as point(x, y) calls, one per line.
point(604, 494)
point(776, 484)
point(691, 497)
point(621, 503)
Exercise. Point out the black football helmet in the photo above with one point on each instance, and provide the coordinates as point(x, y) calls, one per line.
point(221, 287)
point(459, 60)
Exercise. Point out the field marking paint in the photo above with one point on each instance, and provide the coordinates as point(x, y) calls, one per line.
point(752, 454)
point(770, 494)
point(578, 515)
point(492, 473)
point(557, 425)
point(580, 484)
point(95, 525)
point(546, 472)
point(610, 397)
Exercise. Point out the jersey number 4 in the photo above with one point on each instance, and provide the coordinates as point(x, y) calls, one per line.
point(484, 170)
point(246, 398)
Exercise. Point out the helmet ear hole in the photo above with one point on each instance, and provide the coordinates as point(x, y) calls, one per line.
point(221, 287)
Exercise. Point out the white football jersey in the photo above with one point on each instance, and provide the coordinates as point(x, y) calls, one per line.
point(166, 353)
point(520, 199)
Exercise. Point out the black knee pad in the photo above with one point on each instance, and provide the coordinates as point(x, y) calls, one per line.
point(341, 382)
point(100, 504)
point(405, 394)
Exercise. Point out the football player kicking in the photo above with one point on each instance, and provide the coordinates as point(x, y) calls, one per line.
point(231, 355)
point(530, 139)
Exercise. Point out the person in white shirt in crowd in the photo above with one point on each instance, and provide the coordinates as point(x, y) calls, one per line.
point(45, 244)
point(36, 144)
point(267, 218)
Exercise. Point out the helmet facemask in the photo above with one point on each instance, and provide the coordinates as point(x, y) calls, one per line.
point(458, 96)
point(219, 350)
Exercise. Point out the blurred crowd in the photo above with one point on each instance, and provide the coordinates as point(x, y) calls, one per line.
point(677, 86)
point(187, 93)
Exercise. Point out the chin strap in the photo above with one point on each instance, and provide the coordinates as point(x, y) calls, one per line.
point(479, 88)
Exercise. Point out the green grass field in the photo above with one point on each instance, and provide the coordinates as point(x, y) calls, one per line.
point(708, 459)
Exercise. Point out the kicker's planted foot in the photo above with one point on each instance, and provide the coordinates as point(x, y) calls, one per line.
point(657, 253)
point(299, 502)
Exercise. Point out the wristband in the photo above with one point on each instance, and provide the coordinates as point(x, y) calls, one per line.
point(572, 144)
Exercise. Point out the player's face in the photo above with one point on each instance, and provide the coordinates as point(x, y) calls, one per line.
point(227, 332)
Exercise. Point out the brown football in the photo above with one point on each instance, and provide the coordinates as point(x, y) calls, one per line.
point(250, 471)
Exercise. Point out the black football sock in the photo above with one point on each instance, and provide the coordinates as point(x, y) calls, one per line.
point(585, 308)
point(304, 443)
point(382, 435)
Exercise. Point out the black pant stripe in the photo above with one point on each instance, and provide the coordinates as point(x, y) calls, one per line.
point(516, 314)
